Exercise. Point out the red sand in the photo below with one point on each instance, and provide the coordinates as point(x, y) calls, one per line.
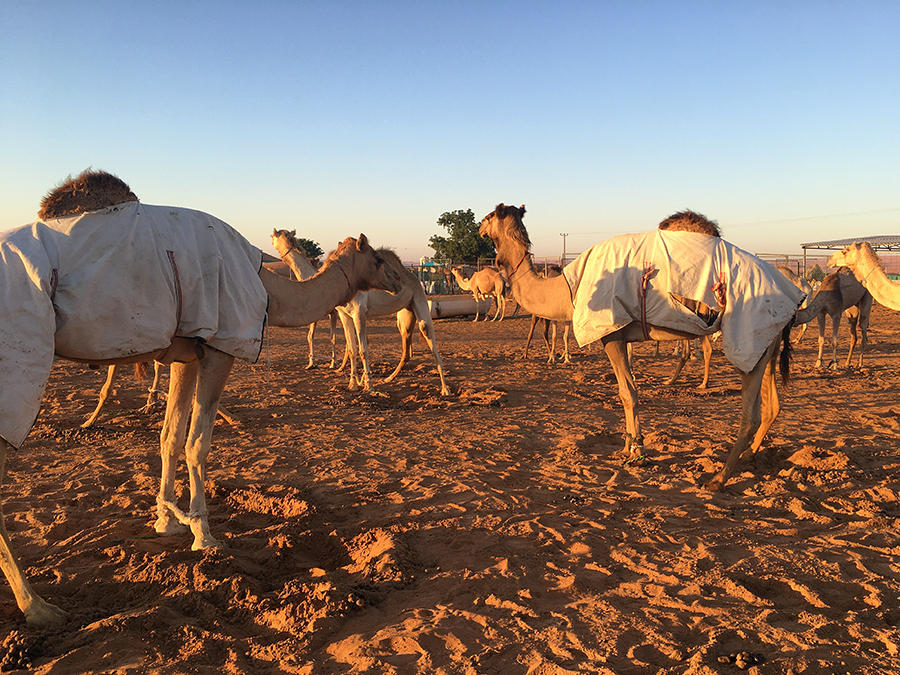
point(494, 531)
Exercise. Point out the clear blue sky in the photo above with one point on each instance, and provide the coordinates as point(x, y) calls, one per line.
point(780, 120)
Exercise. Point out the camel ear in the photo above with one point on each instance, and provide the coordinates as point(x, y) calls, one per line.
point(274, 232)
point(362, 242)
point(294, 232)
point(521, 210)
point(501, 207)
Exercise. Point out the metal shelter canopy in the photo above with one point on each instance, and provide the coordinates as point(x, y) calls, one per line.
point(886, 242)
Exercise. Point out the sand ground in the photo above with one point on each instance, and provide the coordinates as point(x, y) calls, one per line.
point(492, 531)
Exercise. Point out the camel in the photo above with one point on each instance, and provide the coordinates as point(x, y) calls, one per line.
point(555, 299)
point(867, 267)
point(484, 283)
point(839, 293)
point(199, 371)
point(411, 307)
point(549, 272)
point(286, 244)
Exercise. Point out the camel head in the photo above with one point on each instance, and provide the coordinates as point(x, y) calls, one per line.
point(284, 240)
point(851, 255)
point(88, 191)
point(505, 223)
point(363, 264)
point(691, 221)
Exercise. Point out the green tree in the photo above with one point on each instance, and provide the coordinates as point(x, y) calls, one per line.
point(464, 245)
point(310, 248)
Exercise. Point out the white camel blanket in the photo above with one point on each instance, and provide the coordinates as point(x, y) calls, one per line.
point(116, 283)
point(608, 290)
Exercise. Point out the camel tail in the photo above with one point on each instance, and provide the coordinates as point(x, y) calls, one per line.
point(784, 362)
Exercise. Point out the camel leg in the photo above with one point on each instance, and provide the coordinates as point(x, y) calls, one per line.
point(215, 366)
point(835, 327)
point(332, 321)
point(153, 392)
point(617, 352)
point(756, 386)
point(363, 342)
point(821, 320)
point(771, 406)
point(104, 394)
point(406, 320)
point(852, 322)
point(182, 386)
point(203, 382)
point(534, 320)
point(311, 334)
point(547, 343)
point(566, 358)
point(426, 327)
point(706, 346)
point(682, 359)
point(351, 349)
point(550, 339)
point(865, 311)
point(38, 612)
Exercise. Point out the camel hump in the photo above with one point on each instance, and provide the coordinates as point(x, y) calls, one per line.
point(691, 221)
point(88, 191)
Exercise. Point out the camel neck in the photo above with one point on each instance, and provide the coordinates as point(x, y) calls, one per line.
point(546, 298)
point(877, 282)
point(300, 303)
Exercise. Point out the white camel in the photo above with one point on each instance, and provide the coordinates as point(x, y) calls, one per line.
point(739, 311)
point(289, 249)
point(484, 283)
point(44, 274)
point(840, 293)
point(869, 270)
point(411, 307)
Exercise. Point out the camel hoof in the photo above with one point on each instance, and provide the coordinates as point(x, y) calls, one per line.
point(42, 614)
point(166, 527)
point(715, 485)
point(207, 541)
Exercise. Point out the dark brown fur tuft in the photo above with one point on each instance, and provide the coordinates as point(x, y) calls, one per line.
point(518, 231)
point(690, 221)
point(88, 191)
point(784, 361)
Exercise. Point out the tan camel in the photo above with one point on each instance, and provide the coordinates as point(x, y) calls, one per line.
point(289, 249)
point(153, 394)
point(484, 283)
point(198, 372)
point(549, 272)
point(869, 270)
point(839, 293)
point(552, 298)
point(411, 306)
